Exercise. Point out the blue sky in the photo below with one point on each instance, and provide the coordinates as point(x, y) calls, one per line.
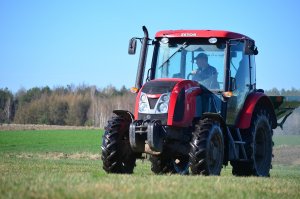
point(61, 42)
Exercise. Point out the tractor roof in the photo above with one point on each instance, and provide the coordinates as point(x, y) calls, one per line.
point(199, 34)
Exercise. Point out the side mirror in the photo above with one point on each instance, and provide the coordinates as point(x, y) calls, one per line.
point(232, 84)
point(250, 48)
point(132, 46)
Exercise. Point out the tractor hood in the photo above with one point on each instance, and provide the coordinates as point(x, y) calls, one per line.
point(160, 86)
point(172, 101)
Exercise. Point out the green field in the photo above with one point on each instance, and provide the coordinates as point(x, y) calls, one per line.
point(286, 140)
point(66, 164)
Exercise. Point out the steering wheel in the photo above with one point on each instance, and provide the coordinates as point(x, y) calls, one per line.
point(190, 76)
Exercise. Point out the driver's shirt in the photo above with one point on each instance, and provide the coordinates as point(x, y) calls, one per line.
point(205, 74)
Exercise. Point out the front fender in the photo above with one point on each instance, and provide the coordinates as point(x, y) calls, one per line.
point(127, 115)
point(182, 107)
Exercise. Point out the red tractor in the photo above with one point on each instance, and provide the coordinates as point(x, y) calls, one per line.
point(196, 117)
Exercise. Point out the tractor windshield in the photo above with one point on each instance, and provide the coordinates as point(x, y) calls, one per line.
point(198, 61)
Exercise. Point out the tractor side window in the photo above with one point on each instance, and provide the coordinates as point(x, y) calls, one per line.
point(242, 75)
point(239, 68)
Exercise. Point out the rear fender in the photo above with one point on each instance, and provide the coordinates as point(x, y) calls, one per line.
point(253, 100)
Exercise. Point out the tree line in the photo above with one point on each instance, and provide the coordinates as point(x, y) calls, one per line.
point(82, 105)
point(76, 106)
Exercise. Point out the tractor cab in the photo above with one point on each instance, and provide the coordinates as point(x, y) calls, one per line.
point(181, 58)
point(220, 62)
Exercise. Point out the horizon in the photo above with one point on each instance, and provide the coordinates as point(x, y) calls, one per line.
point(72, 42)
point(83, 85)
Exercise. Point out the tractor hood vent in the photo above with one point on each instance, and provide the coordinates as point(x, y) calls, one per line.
point(159, 87)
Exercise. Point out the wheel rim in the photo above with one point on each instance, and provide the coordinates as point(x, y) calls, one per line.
point(215, 153)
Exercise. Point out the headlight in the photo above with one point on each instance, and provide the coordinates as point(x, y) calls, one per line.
point(162, 105)
point(144, 98)
point(144, 104)
point(162, 108)
point(165, 98)
point(143, 108)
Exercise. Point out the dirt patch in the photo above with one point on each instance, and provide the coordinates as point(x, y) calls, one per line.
point(286, 155)
point(283, 155)
point(57, 156)
point(14, 127)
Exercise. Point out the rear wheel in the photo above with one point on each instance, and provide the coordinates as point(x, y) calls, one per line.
point(207, 148)
point(117, 155)
point(259, 146)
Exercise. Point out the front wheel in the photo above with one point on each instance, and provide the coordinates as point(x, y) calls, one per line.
point(207, 148)
point(117, 155)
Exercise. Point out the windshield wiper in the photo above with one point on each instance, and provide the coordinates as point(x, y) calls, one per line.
point(182, 47)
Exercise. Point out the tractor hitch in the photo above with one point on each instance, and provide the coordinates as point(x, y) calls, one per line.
point(146, 136)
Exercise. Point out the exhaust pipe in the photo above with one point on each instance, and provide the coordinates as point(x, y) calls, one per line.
point(142, 60)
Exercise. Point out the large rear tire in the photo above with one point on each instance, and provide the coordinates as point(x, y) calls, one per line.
point(117, 155)
point(207, 148)
point(259, 147)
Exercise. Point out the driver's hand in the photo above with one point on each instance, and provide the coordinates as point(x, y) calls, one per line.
point(194, 72)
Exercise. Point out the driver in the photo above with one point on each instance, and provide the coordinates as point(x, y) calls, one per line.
point(206, 74)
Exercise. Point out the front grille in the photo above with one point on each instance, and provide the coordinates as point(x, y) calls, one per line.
point(152, 102)
point(162, 117)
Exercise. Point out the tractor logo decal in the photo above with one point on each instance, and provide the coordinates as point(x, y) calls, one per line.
point(188, 34)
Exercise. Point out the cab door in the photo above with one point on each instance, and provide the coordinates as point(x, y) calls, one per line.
point(242, 69)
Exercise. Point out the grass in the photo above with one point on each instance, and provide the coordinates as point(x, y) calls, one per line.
point(28, 171)
point(68, 141)
point(289, 140)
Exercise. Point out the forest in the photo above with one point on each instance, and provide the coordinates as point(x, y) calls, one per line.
point(85, 105)
point(76, 106)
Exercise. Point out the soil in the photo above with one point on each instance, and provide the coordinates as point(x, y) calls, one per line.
point(56, 156)
point(15, 127)
point(283, 155)
point(286, 155)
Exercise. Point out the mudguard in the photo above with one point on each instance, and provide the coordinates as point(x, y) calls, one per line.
point(253, 99)
point(127, 115)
